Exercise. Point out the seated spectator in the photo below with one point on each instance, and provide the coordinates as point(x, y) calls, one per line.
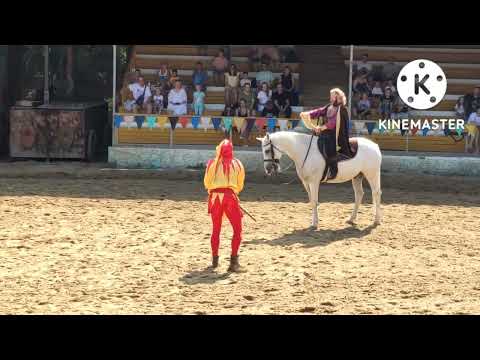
point(248, 97)
point(472, 102)
point(281, 102)
point(264, 95)
point(243, 110)
point(128, 100)
point(391, 87)
point(387, 104)
point(232, 83)
point(177, 100)
point(173, 79)
point(138, 73)
point(269, 109)
point(401, 109)
point(228, 111)
point(364, 64)
point(474, 119)
point(158, 101)
point(377, 90)
point(459, 108)
point(390, 71)
point(244, 79)
point(362, 85)
point(264, 75)
point(220, 66)
point(142, 95)
point(363, 107)
point(163, 75)
point(200, 77)
point(198, 100)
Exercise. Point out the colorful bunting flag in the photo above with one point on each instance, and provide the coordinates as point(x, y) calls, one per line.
point(139, 120)
point(471, 129)
point(228, 122)
point(238, 123)
point(216, 123)
point(151, 121)
point(173, 122)
point(118, 119)
point(249, 127)
point(184, 121)
point(195, 121)
point(425, 131)
point(283, 123)
point(260, 123)
point(459, 131)
point(414, 130)
point(271, 124)
point(295, 123)
point(205, 120)
point(161, 121)
point(370, 127)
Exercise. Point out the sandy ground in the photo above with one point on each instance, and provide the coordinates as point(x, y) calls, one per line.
point(141, 246)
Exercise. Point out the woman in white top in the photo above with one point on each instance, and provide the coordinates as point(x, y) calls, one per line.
point(177, 100)
point(263, 96)
point(232, 83)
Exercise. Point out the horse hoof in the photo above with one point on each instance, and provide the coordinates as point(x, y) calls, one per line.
point(312, 227)
point(377, 222)
point(350, 222)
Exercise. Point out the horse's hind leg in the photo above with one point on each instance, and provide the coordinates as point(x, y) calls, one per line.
point(358, 189)
point(374, 181)
point(314, 187)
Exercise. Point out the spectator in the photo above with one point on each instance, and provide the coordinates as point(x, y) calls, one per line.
point(474, 119)
point(264, 75)
point(364, 64)
point(163, 75)
point(459, 108)
point(243, 110)
point(391, 87)
point(200, 77)
point(390, 71)
point(362, 85)
point(220, 66)
point(248, 97)
point(472, 102)
point(173, 78)
point(288, 83)
point(401, 109)
point(158, 101)
point(387, 104)
point(363, 107)
point(269, 109)
point(232, 83)
point(198, 100)
point(281, 103)
point(264, 95)
point(138, 73)
point(228, 111)
point(244, 79)
point(377, 90)
point(177, 100)
point(142, 95)
point(128, 100)
point(355, 100)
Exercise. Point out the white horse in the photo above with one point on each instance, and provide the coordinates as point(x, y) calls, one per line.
point(310, 165)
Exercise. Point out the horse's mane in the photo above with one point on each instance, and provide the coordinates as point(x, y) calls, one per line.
point(301, 130)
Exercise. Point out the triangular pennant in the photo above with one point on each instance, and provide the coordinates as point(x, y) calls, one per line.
point(195, 121)
point(161, 121)
point(425, 131)
point(249, 127)
point(260, 123)
point(216, 123)
point(228, 122)
point(370, 127)
point(414, 130)
point(459, 131)
point(151, 121)
point(283, 123)
point(117, 120)
point(271, 124)
point(446, 131)
point(205, 120)
point(173, 122)
point(139, 120)
point(238, 122)
point(295, 123)
point(184, 121)
point(471, 129)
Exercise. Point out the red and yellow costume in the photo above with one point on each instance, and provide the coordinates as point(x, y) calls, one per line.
point(224, 180)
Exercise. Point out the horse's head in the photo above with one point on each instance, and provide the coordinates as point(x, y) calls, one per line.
point(271, 156)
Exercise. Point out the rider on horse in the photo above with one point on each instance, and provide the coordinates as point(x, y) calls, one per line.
point(224, 180)
point(333, 135)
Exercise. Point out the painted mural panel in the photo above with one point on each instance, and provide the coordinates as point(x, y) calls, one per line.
point(46, 133)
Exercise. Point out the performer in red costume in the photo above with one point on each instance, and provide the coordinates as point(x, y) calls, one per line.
point(224, 180)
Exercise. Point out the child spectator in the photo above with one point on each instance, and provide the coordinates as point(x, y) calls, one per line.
point(459, 108)
point(220, 66)
point(268, 109)
point(264, 95)
point(377, 90)
point(387, 104)
point(163, 75)
point(363, 107)
point(158, 101)
point(232, 83)
point(244, 79)
point(128, 100)
point(173, 79)
point(198, 100)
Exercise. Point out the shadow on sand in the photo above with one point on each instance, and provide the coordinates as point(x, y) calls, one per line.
point(312, 238)
point(206, 276)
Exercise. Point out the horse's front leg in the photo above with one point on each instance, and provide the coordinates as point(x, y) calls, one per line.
point(314, 187)
point(307, 188)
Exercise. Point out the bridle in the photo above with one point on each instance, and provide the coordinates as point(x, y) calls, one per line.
point(272, 160)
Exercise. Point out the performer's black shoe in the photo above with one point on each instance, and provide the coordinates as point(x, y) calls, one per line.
point(235, 266)
point(214, 262)
point(333, 172)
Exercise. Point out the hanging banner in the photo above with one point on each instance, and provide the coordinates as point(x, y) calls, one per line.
point(238, 123)
point(370, 127)
point(161, 121)
point(205, 120)
point(118, 119)
point(129, 121)
point(295, 123)
point(173, 122)
point(195, 121)
point(283, 123)
point(260, 123)
point(216, 123)
point(151, 121)
point(139, 120)
point(228, 123)
point(184, 121)
point(271, 124)
point(425, 131)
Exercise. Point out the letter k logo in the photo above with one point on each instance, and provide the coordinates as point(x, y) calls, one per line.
point(421, 84)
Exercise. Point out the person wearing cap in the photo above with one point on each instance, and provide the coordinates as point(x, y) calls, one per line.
point(224, 180)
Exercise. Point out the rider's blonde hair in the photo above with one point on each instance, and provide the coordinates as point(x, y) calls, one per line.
point(340, 94)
